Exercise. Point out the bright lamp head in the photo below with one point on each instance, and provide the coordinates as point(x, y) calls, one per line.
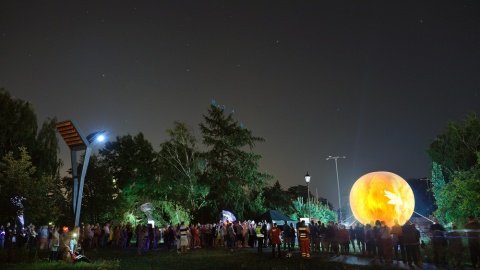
point(96, 137)
point(307, 178)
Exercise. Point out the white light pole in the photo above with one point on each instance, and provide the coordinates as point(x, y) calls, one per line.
point(338, 184)
point(307, 179)
point(76, 141)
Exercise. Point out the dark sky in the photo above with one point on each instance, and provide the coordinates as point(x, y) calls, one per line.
point(374, 81)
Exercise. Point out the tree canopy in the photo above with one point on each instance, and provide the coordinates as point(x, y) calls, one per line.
point(22, 192)
point(277, 198)
point(315, 210)
point(181, 168)
point(456, 171)
point(29, 160)
point(460, 198)
point(18, 124)
point(130, 159)
point(456, 148)
point(18, 128)
point(232, 166)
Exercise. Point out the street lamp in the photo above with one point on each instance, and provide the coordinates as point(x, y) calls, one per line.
point(76, 141)
point(307, 179)
point(338, 183)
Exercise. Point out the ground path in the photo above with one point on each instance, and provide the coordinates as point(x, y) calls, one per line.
point(357, 259)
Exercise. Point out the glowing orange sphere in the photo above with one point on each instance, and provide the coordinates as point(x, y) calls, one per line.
point(382, 196)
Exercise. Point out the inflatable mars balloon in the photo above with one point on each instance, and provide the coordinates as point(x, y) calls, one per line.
point(382, 196)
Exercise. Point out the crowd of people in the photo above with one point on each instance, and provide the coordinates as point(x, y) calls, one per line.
point(47, 242)
point(376, 240)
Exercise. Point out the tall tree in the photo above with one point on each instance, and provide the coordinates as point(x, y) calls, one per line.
point(181, 168)
point(438, 182)
point(459, 198)
point(21, 191)
point(46, 150)
point(16, 177)
point(18, 124)
point(454, 155)
point(18, 128)
point(131, 159)
point(134, 165)
point(232, 166)
point(455, 149)
point(21, 147)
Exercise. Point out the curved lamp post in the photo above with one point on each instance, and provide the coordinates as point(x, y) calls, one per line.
point(76, 141)
point(307, 179)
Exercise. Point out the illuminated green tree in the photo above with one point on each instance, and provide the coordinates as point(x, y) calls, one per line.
point(438, 181)
point(318, 210)
point(455, 170)
point(17, 180)
point(459, 198)
point(181, 167)
point(133, 164)
point(302, 191)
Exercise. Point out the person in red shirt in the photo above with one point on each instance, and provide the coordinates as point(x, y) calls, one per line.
point(275, 239)
point(196, 237)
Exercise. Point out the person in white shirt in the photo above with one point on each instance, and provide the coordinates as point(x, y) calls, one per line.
point(106, 234)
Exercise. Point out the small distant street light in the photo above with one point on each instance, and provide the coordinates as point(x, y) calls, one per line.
point(338, 183)
point(76, 141)
point(307, 179)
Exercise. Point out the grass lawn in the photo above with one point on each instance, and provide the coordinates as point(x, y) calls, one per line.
point(205, 258)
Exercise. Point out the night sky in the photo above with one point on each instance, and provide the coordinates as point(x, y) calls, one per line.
point(374, 81)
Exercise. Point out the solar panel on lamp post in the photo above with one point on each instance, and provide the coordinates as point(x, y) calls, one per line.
point(76, 141)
